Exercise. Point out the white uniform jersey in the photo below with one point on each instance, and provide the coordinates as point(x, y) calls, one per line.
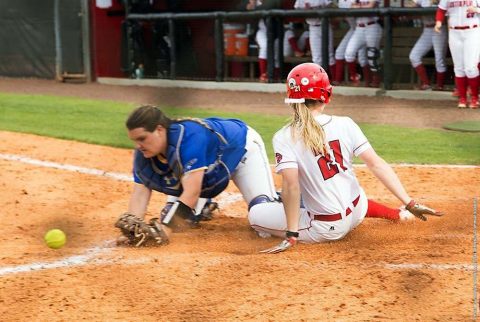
point(428, 21)
point(312, 4)
point(328, 185)
point(457, 12)
point(365, 4)
point(347, 4)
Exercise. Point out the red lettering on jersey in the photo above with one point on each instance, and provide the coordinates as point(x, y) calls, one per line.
point(327, 166)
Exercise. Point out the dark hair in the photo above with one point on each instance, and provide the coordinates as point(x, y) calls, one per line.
point(148, 117)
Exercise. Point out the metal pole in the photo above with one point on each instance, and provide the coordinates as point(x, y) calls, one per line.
point(58, 41)
point(281, 36)
point(87, 68)
point(325, 40)
point(387, 52)
point(270, 49)
point(173, 49)
point(219, 45)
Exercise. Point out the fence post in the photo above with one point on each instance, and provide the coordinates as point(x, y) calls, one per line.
point(219, 45)
point(387, 51)
point(281, 39)
point(173, 48)
point(270, 49)
point(325, 46)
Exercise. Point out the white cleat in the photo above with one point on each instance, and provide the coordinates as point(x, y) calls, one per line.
point(405, 215)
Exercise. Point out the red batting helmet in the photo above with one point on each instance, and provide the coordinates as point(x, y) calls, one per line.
point(308, 81)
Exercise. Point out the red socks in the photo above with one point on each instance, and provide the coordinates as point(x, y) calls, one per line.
point(376, 210)
point(422, 74)
point(339, 70)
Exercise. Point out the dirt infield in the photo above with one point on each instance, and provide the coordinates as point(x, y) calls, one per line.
point(413, 271)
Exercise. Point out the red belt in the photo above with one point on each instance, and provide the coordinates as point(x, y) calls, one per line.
point(337, 216)
point(464, 27)
point(366, 24)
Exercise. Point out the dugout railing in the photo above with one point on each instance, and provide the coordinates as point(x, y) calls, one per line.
point(221, 17)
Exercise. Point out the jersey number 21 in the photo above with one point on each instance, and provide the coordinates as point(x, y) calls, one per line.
point(329, 167)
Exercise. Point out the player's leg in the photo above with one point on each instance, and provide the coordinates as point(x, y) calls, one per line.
point(363, 62)
point(261, 39)
point(356, 42)
point(373, 37)
point(289, 42)
point(316, 43)
point(440, 50)
point(253, 177)
point(471, 54)
point(455, 44)
point(331, 53)
point(377, 210)
point(340, 56)
point(420, 49)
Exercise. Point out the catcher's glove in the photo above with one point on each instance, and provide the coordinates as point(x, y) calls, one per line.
point(420, 211)
point(138, 233)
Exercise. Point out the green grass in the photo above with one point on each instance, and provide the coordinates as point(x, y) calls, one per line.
point(102, 122)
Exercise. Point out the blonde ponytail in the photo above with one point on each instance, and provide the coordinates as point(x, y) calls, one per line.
point(304, 126)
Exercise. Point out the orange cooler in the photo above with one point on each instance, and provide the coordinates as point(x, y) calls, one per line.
point(241, 44)
point(230, 30)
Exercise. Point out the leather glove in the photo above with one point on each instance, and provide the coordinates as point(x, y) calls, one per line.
point(419, 210)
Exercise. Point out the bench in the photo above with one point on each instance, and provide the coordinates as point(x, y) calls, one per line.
point(404, 39)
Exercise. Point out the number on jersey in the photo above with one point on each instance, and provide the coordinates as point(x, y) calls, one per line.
point(329, 167)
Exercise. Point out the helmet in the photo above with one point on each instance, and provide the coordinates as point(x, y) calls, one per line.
point(308, 81)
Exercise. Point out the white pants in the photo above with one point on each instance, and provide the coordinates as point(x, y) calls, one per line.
point(253, 176)
point(342, 48)
point(465, 50)
point(428, 39)
point(316, 44)
point(310, 231)
point(368, 36)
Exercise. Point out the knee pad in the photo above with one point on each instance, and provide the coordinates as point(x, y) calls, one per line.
point(258, 200)
point(373, 54)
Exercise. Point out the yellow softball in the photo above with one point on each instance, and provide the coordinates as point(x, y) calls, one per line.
point(55, 238)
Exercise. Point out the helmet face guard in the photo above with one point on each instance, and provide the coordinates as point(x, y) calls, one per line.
point(308, 81)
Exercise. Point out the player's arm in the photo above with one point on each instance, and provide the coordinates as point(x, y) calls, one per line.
point(384, 172)
point(139, 200)
point(291, 197)
point(440, 16)
point(192, 187)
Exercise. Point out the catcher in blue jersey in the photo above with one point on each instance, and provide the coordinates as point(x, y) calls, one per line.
point(191, 159)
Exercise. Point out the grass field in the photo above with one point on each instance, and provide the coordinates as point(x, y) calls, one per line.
point(102, 122)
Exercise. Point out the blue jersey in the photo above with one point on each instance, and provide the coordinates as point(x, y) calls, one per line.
point(213, 144)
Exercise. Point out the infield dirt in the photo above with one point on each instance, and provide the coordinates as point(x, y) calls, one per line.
point(383, 270)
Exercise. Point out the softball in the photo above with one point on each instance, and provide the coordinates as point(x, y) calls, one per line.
point(55, 238)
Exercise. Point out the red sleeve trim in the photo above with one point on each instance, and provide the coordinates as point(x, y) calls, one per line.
point(440, 15)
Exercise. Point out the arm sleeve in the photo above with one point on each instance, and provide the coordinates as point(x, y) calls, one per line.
point(193, 148)
point(284, 155)
point(358, 140)
point(440, 15)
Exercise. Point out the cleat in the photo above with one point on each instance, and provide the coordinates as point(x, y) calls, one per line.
point(355, 79)
point(425, 87)
point(405, 215)
point(263, 234)
point(263, 78)
point(462, 103)
point(474, 103)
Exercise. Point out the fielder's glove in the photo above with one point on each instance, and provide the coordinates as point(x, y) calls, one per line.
point(420, 211)
point(287, 243)
point(139, 233)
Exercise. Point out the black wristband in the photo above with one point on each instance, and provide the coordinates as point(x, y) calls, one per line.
point(292, 234)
